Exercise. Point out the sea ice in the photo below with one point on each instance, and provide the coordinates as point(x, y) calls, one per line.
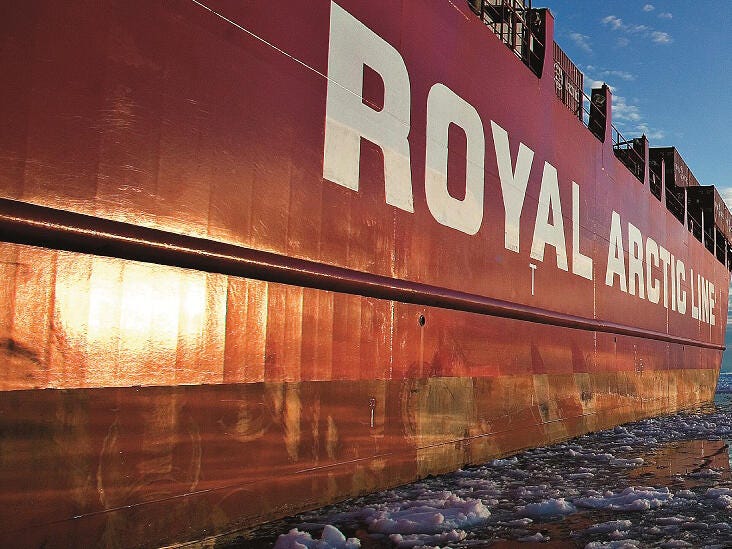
point(548, 509)
point(331, 538)
point(519, 522)
point(716, 492)
point(442, 513)
point(622, 462)
point(504, 462)
point(705, 473)
point(417, 540)
point(575, 476)
point(618, 544)
point(537, 537)
point(634, 498)
point(609, 526)
point(724, 502)
point(675, 520)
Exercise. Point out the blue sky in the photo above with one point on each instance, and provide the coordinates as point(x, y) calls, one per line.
point(669, 64)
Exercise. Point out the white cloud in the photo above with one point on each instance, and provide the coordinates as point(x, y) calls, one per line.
point(597, 84)
point(623, 111)
point(650, 133)
point(622, 41)
point(617, 24)
point(726, 193)
point(649, 7)
point(581, 41)
point(665, 15)
point(661, 37)
point(623, 75)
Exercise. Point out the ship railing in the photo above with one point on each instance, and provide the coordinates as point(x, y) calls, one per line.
point(517, 25)
point(716, 246)
point(655, 184)
point(587, 109)
point(720, 245)
point(709, 240)
point(521, 29)
point(676, 206)
point(625, 151)
point(568, 82)
point(586, 102)
point(723, 251)
point(694, 227)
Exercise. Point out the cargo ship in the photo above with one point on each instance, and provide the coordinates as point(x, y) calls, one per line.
point(259, 257)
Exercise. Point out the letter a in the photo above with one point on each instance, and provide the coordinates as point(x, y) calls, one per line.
point(616, 255)
point(545, 232)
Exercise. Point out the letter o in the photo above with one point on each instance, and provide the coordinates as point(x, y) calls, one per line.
point(445, 107)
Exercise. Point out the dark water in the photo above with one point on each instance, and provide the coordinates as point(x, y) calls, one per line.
point(663, 482)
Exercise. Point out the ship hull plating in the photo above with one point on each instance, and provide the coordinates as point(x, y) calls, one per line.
point(205, 323)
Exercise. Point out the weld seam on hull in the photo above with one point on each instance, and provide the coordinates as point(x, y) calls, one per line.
point(30, 224)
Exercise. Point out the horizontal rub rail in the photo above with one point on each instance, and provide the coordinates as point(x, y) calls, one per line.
point(24, 223)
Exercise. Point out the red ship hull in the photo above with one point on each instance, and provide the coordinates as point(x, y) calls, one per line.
point(203, 328)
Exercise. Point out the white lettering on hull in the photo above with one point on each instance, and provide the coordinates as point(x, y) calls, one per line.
point(546, 231)
point(652, 272)
point(653, 285)
point(444, 107)
point(581, 264)
point(673, 278)
point(513, 183)
point(616, 255)
point(348, 118)
point(680, 293)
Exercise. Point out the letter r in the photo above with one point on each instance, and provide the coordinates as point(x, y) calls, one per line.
point(348, 118)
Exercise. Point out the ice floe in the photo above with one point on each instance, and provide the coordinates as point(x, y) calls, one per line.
point(620, 544)
point(633, 498)
point(549, 508)
point(609, 526)
point(538, 536)
point(430, 516)
point(331, 538)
